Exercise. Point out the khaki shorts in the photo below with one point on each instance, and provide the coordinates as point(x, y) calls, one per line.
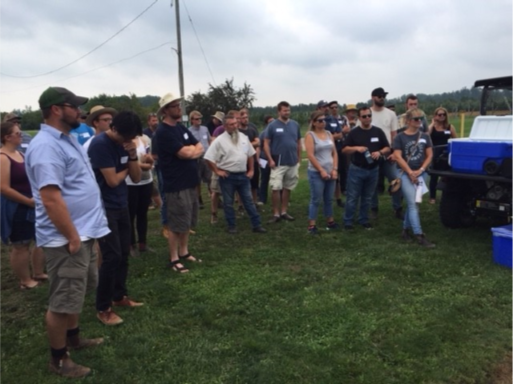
point(214, 184)
point(182, 210)
point(70, 276)
point(284, 176)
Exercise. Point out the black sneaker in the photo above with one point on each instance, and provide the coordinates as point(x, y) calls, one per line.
point(259, 230)
point(367, 226)
point(348, 227)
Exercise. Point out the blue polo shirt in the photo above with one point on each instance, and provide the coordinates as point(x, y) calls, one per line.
point(106, 153)
point(283, 143)
point(54, 158)
point(83, 133)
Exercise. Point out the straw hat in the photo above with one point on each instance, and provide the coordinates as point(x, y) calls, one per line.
point(219, 116)
point(351, 107)
point(99, 110)
point(168, 98)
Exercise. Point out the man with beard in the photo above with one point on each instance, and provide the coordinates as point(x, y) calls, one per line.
point(178, 152)
point(153, 123)
point(385, 119)
point(66, 223)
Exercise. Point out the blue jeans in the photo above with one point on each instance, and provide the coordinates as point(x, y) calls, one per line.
point(320, 190)
point(238, 182)
point(361, 184)
point(163, 208)
point(411, 218)
point(390, 172)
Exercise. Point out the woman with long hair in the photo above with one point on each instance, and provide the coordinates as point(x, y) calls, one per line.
point(17, 211)
point(440, 131)
point(322, 171)
point(413, 152)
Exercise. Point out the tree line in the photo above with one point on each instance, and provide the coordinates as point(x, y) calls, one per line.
point(227, 96)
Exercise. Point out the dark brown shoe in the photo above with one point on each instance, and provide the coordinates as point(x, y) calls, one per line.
point(67, 368)
point(84, 343)
point(421, 240)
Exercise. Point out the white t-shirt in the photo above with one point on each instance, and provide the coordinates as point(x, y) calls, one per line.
point(228, 156)
point(386, 120)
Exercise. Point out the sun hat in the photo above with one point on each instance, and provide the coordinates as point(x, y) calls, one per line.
point(219, 116)
point(99, 110)
point(168, 98)
point(351, 107)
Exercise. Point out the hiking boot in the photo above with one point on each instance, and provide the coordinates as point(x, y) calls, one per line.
point(406, 236)
point(126, 302)
point(65, 367)
point(83, 343)
point(286, 216)
point(108, 317)
point(259, 229)
point(421, 240)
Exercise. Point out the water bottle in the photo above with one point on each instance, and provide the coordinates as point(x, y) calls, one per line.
point(368, 157)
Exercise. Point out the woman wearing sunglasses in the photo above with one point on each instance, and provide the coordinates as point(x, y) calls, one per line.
point(322, 171)
point(440, 132)
point(17, 211)
point(413, 152)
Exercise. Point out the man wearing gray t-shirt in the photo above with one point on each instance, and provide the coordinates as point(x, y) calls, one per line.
point(201, 133)
point(282, 146)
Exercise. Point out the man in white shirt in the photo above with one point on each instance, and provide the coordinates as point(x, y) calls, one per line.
point(385, 119)
point(230, 157)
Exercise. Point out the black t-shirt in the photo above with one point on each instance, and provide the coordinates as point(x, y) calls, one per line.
point(177, 174)
point(373, 138)
point(105, 153)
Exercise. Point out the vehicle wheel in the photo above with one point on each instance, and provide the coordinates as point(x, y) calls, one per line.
point(455, 210)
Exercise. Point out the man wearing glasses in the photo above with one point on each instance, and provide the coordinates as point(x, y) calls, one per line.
point(385, 119)
point(66, 223)
point(201, 133)
point(99, 118)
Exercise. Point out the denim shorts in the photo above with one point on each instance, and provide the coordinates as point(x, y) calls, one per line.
point(23, 229)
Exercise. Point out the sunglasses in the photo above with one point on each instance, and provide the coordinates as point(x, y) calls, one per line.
point(417, 118)
point(196, 118)
point(441, 114)
point(320, 121)
point(366, 116)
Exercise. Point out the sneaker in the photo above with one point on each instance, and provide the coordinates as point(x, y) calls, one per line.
point(399, 214)
point(348, 227)
point(313, 230)
point(332, 226)
point(68, 368)
point(83, 343)
point(274, 219)
point(286, 216)
point(213, 218)
point(108, 317)
point(126, 302)
point(421, 240)
point(259, 230)
point(406, 236)
point(367, 226)
point(232, 231)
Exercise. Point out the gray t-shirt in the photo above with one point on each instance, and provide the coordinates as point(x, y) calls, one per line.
point(201, 134)
point(416, 154)
point(323, 152)
point(283, 139)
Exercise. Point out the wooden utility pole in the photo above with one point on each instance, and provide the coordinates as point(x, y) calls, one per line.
point(179, 54)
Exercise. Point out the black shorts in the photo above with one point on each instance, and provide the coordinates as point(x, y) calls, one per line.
point(23, 228)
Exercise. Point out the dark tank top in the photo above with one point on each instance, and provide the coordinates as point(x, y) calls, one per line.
point(19, 180)
point(440, 137)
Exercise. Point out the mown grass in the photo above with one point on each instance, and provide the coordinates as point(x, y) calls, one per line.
point(284, 307)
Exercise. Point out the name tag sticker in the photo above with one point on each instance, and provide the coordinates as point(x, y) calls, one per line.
point(124, 159)
point(24, 145)
point(333, 125)
point(374, 139)
point(186, 136)
point(85, 135)
point(279, 129)
point(447, 132)
point(422, 141)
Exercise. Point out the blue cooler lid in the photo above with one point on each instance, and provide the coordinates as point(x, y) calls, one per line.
point(504, 231)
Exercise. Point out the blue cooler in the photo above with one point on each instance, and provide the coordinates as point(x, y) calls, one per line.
point(502, 252)
point(482, 157)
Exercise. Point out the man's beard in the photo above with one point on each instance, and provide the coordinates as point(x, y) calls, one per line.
point(380, 103)
point(235, 136)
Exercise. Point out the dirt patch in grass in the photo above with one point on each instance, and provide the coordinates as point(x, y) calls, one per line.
point(501, 373)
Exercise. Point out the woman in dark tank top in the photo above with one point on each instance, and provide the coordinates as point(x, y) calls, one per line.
point(440, 131)
point(18, 226)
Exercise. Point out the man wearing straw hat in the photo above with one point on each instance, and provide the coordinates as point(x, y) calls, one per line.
point(99, 118)
point(178, 152)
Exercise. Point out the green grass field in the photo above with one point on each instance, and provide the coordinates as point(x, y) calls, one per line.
point(285, 307)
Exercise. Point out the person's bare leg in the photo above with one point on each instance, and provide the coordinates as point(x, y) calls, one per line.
point(38, 263)
point(174, 242)
point(56, 327)
point(20, 264)
point(276, 202)
point(285, 197)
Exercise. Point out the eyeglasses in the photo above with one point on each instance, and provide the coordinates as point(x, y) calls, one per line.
point(441, 114)
point(68, 105)
point(417, 118)
point(366, 116)
point(320, 120)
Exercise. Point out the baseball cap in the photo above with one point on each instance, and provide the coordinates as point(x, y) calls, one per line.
point(379, 92)
point(322, 103)
point(58, 95)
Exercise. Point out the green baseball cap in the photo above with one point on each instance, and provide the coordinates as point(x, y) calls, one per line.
point(58, 95)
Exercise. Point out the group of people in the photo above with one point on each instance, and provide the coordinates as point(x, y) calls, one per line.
point(84, 184)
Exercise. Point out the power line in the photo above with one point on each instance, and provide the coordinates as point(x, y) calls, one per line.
point(91, 70)
point(199, 42)
point(87, 54)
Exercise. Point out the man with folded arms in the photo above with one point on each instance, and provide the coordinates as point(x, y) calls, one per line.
point(69, 216)
point(231, 157)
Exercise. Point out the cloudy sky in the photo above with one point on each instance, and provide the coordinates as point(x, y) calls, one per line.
point(295, 50)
